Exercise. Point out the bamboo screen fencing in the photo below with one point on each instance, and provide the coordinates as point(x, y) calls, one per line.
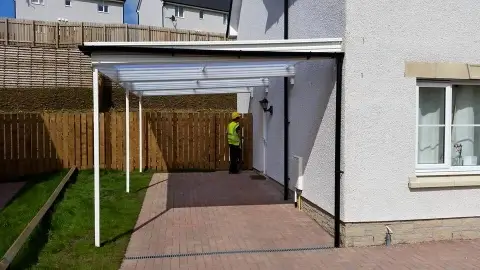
point(70, 34)
point(35, 143)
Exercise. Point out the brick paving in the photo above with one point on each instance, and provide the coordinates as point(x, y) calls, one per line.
point(204, 212)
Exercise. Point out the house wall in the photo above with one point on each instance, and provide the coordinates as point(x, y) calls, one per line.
point(312, 97)
point(380, 104)
point(212, 21)
point(151, 13)
point(79, 11)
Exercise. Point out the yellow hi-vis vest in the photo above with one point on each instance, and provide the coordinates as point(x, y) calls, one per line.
point(233, 137)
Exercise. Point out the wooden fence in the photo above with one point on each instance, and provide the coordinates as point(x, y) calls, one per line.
point(36, 143)
point(68, 34)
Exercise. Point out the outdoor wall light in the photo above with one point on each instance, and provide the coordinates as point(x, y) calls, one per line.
point(264, 103)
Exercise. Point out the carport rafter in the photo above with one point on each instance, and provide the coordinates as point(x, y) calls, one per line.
point(126, 64)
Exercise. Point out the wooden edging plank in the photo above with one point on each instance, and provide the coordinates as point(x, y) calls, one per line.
point(23, 237)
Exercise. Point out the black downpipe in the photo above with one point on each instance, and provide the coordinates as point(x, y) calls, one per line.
point(285, 105)
point(338, 134)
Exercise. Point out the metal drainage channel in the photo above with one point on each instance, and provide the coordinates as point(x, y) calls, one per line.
point(161, 256)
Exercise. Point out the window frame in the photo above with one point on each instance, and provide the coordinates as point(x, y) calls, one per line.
point(105, 8)
point(37, 2)
point(70, 3)
point(177, 12)
point(446, 167)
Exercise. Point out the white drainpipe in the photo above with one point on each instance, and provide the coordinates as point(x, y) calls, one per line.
point(299, 184)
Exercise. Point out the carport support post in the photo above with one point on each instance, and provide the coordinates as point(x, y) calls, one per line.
point(127, 139)
point(338, 143)
point(96, 158)
point(140, 132)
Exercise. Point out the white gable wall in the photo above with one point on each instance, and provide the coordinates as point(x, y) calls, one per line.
point(380, 104)
point(312, 102)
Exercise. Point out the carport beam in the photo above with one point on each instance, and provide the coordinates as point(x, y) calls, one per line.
point(140, 132)
point(127, 140)
point(96, 158)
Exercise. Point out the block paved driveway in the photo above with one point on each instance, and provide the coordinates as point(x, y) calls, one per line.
point(208, 212)
point(205, 212)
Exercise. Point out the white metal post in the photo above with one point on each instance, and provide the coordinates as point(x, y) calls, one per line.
point(96, 158)
point(140, 132)
point(127, 139)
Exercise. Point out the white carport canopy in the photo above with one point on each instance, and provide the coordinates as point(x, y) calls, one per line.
point(191, 68)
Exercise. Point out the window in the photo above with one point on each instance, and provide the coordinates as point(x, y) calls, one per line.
point(200, 14)
point(179, 12)
point(448, 126)
point(103, 8)
point(37, 2)
point(68, 3)
point(225, 18)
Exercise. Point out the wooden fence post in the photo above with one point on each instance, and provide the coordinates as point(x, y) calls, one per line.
point(169, 33)
point(208, 36)
point(189, 37)
point(6, 32)
point(126, 32)
point(149, 33)
point(57, 32)
point(81, 33)
point(104, 32)
point(33, 33)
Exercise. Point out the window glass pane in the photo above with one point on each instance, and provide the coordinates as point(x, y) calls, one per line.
point(465, 115)
point(431, 109)
point(105, 8)
point(465, 146)
point(67, 2)
point(180, 9)
point(100, 7)
point(201, 14)
point(431, 145)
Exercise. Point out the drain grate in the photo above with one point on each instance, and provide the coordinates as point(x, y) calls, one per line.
point(161, 256)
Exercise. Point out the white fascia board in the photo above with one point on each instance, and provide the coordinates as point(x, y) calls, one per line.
point(194, 92)
point(199, 84)
point(210, 73)
point(111, 59)
point(290, 45)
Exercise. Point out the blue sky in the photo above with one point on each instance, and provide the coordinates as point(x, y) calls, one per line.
point(7, 10)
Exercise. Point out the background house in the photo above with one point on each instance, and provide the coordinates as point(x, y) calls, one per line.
point(198, 15)
point(398, 139)
point(98, 11)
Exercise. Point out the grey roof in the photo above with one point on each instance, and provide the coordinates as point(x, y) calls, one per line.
point(220, 5)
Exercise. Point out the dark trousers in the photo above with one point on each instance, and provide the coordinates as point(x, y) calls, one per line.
point(235, 158)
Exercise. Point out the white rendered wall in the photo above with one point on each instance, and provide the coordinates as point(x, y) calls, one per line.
point(312, 98)
point(151, 13)
point(380, 104)
point(79, 11)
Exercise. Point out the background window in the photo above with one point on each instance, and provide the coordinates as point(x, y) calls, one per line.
point(179, 12)
point(68, 3)
point(102, 8)
point(200, 14)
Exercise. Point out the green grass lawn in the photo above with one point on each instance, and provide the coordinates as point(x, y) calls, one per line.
point(25, 205)
point(70, 242)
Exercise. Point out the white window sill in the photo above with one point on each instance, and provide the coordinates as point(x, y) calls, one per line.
point(448, 179)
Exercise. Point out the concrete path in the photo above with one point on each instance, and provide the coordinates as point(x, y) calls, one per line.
point(205, 212)
point(8, 191)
